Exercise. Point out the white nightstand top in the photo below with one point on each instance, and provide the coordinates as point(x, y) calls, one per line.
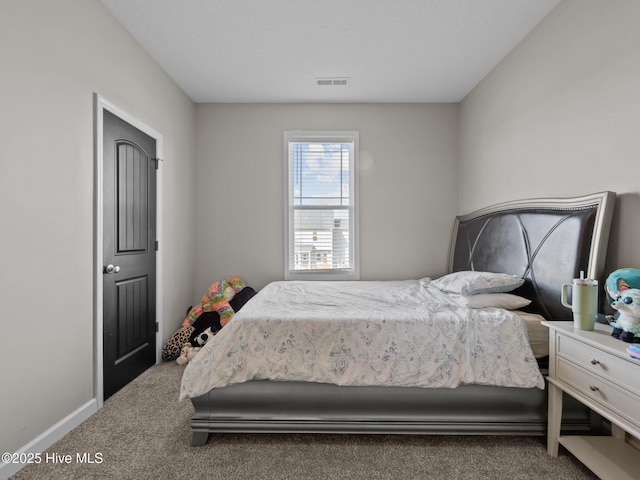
point(600, 337)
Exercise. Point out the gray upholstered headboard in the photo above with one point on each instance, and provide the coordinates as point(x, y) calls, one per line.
point(547, 242)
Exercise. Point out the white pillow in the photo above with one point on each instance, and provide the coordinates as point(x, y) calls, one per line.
point(472, 283)
point(508, 301)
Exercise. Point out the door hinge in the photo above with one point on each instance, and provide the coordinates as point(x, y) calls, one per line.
point(157, 246)
point(157, 160)
point(157, 327)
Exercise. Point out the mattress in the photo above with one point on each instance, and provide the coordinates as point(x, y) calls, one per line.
point(394, 333)
point(538, 333)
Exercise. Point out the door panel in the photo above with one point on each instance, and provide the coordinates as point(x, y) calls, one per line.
point(133, 180)
point(132, 325)
point(129, 219)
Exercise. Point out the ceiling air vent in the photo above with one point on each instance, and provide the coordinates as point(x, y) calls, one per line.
point(332, 81)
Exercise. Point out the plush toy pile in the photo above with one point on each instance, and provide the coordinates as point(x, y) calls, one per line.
point(216, 299)
point(217, 307)
point(623, 291)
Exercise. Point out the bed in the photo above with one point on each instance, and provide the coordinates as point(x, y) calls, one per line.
point(543, 243)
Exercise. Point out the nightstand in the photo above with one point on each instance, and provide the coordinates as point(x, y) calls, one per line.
point(594, 368)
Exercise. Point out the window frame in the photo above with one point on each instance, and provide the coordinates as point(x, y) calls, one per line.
point(351, 137)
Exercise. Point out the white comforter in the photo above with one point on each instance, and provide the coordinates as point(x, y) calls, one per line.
point(395, 333)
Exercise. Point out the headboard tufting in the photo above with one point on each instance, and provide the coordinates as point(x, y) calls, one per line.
point(547, 242)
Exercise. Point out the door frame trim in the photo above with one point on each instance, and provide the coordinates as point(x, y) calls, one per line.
point(100, 105)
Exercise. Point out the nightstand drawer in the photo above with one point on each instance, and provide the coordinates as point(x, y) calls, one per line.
point(614, 398)
point(616, 369)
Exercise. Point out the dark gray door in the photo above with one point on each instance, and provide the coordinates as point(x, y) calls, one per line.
point(129, 198)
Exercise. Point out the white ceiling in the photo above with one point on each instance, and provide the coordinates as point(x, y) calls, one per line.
point(228, 51)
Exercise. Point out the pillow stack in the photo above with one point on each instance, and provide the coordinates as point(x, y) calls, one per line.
point(482, 289)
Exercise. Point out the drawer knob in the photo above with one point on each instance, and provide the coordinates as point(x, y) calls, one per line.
point(593, 388)
point(594, 361)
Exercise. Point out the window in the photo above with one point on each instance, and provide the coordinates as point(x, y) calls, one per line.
point(321, 215)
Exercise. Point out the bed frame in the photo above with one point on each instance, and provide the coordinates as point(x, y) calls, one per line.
point(545, 241)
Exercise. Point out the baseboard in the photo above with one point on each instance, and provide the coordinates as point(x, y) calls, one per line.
point(49, 437)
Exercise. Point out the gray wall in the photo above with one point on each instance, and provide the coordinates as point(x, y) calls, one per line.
point(53, 57)
point(408, 161)
point(561, 116)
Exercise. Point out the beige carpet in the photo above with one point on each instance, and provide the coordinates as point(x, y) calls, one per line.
point(142, 432)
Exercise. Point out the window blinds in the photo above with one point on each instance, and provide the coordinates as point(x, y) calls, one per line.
point(320, 206)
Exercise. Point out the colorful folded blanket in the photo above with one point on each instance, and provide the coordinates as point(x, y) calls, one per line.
point(633, 350)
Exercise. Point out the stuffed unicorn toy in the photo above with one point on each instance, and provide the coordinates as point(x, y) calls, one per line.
point(628, 320)
point(623, 290)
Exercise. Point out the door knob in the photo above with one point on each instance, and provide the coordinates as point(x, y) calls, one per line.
point(111, 269)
